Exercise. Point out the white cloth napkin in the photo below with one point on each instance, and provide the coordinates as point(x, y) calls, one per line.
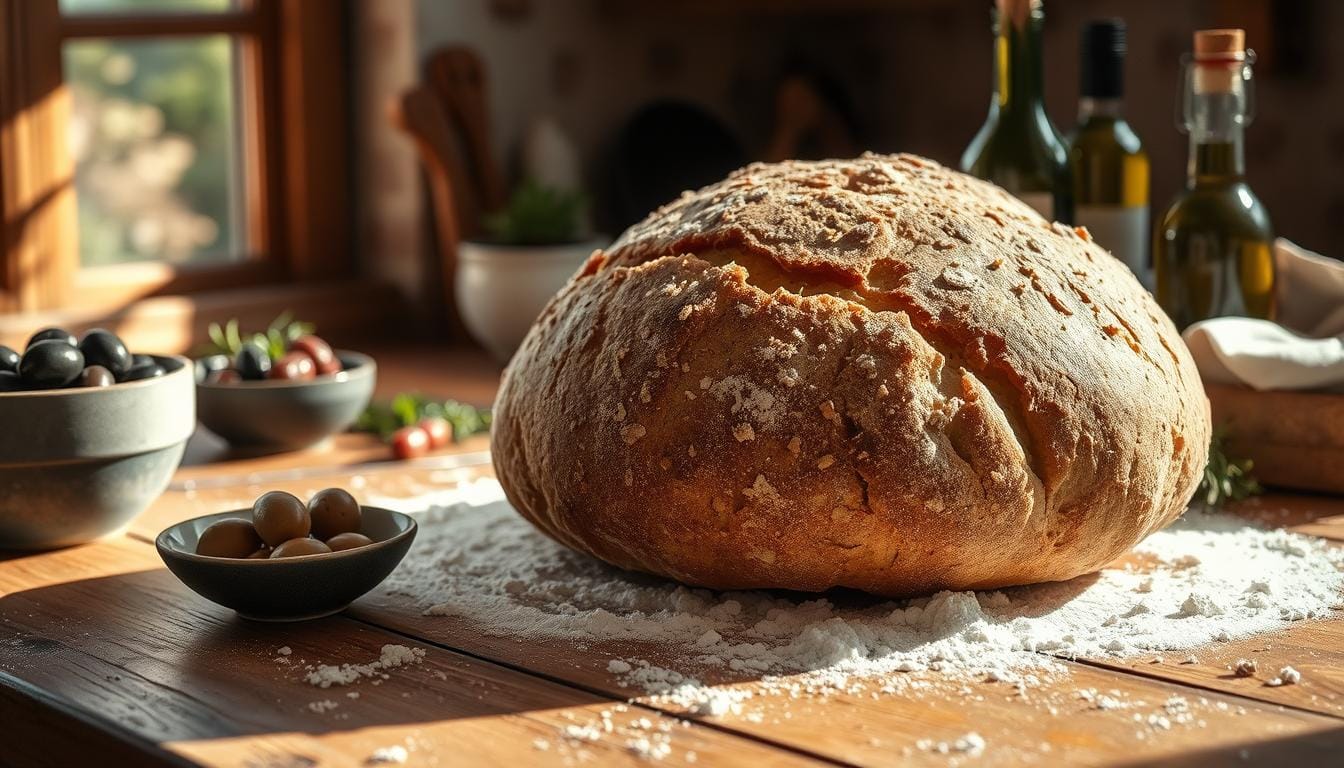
point(1303, 350)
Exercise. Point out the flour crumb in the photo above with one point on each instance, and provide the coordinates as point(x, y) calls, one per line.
point(393, 755)
point(972, 744)
point(284, 650)
point(1244, 668)
point(1287, 676)
point(324, 705)
point(1200, 605)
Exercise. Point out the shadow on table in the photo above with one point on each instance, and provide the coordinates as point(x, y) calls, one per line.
point(1324, 747)
point(139, 653)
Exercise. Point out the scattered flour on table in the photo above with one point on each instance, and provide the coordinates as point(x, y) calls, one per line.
point(1208, 578)
point(392, 656)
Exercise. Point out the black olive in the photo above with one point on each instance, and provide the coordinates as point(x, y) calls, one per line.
point(253, 362)
point(139, 360)
point(49, 334)
point(104, 348)
point(210, 365)
point(150, 370)
point(10, 382)
point(51, 363)
point(9, 359)
point(96, 376)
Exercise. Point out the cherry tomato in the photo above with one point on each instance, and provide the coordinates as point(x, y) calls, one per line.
point(439, 430)
point(410, 443)
point(294, 366)
point(320, 351)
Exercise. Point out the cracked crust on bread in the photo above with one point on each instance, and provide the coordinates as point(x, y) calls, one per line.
point(878, 374)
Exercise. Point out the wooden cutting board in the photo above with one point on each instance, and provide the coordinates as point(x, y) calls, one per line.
point(1296, 439)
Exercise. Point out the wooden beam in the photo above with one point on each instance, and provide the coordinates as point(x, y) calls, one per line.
point(315, 137)
point(37, 199)
point(240, 22)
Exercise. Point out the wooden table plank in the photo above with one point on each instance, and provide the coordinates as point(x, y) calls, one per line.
point(1310, 514)
point(1316, 649)
point(105, 630)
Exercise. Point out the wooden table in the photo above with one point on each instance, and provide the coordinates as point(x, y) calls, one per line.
point(106, 659)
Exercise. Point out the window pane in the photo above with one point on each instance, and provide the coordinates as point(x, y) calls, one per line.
point(154, 134)
point(144, 6)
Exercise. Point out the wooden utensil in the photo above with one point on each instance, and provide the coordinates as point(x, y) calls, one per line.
point(420, 113)
point(458, 76)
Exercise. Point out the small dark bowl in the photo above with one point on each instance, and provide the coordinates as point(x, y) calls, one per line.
point(288, 588)
point(276, 415)
point(79, 463)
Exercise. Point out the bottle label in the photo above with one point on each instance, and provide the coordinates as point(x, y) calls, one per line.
point(1122, 230)
point(1042, 202)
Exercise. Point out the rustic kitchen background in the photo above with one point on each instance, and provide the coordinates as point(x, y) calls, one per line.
point(904, 75)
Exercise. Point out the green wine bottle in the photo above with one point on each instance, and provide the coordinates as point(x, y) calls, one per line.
point(1213, 248)
point(1106, 158)
point(1018, 147)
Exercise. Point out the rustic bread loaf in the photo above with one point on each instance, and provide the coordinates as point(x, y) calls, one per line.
point(876, 373)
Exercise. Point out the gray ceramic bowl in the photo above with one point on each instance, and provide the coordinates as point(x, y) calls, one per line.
point(76, 464)
point(288, 588)
point(288, 415)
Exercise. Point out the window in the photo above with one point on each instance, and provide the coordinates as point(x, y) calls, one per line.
point(169, 146)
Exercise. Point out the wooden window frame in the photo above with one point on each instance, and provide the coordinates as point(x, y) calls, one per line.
point(295, 151)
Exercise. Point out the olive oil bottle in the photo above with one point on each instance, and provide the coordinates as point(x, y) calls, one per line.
point(1018, 147)
point(1106, 159)
point(1212, 249)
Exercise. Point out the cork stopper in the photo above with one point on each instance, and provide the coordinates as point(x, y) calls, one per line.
point(1220, 44)
point(1219, 57)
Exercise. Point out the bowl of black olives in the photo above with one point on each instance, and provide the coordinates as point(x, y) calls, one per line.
point(282, 395)
point(94, 433)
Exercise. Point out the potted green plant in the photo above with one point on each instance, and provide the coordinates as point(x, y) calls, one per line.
point(534, 245)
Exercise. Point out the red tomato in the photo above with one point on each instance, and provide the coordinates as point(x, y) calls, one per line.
point(295, 366)
point(323, 357)
point(439, 430)
point(410, 443)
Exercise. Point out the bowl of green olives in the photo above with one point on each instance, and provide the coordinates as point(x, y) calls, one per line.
point(94, 435)
point(284, 559)
point(291, 396)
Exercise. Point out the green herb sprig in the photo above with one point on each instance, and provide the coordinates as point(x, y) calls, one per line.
point(538, 215)
point(1225, 478)
point(227, 339)
point(405, 410)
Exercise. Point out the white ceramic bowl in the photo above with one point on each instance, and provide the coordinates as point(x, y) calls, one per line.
point(500, 289)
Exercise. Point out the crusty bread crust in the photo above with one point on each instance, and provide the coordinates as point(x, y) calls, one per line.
point(878, 373)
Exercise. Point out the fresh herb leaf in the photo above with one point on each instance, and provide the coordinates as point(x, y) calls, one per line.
point(228, 338)
point(408, 409)
point(1225, 478)
point(538, 215)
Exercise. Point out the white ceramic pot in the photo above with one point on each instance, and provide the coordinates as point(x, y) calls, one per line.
point(500, 289)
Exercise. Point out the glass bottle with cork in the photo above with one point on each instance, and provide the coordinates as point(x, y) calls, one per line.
point(1106, 159)
point(1213, 248)
point(1018, 147)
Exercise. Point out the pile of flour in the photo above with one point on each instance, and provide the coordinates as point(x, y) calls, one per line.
point(1208, 578)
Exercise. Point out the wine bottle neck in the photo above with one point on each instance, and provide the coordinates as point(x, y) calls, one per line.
point(1217, 138)
point(1017, 63)
point(1089, 107)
